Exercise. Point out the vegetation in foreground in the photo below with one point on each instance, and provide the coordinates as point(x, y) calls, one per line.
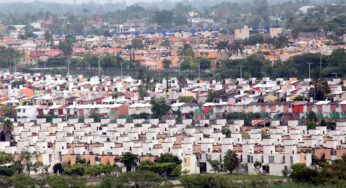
point(166, 172)
point(146, 179)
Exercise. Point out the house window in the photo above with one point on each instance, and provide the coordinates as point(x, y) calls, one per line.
point(271, 159)
point(333, 152)
point(291, 159)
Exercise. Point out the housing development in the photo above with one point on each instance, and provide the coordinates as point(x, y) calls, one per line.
point(61, 119)
point(194, 93)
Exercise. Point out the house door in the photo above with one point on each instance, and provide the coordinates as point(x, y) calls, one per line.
point(266, 169)
point(202, 167)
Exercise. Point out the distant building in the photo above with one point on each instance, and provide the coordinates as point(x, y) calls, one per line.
point(17, 30)
point(275, 32)
point(305, 9)
point(241, 34)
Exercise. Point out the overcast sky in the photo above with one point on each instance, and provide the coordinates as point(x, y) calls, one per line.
point(83, 1)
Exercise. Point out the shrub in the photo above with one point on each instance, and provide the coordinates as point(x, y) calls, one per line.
point(76, 169)
point(58, 168)
point(303, 174)
point(206, 180)
point(57, 182)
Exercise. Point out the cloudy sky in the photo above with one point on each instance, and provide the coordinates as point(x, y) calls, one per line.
point(82, 1)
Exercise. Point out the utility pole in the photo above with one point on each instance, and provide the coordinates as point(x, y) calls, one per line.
point(121, 70)
point(99, 64)
point(320, 64)
point(68, 65)
point(15, 66)
point(199, 73)
point(309, 70)
point(241, 71)
point(99, 61)
point(179, 69)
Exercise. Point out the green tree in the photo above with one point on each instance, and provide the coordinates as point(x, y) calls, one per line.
point(18, 83)
point(66, 47)
point(23, 181)
point(212, 95)
point(166, 165)
point(180, 20)
point(159, 107)
point(236, 47)
point(231, 161)
point(163, 18)
point(163, 169)
point(96, 170)
point(320, 90)
point(303, 174)
point(7, 128)
point(222, 45)
point(28, 32)
point(143, 179)
point(186, 51)
point(166, 63)
point(58, 168)
point(254, 39)
point(226, 132)
point(278, 42)
point(311, 116)
point(258, 166)
point(310, 125)
point(176, 171)
point(48, 37)
point(186, 99)
point(57, 181)
point(137, 44)
point(331, 125)
point(182, 82)
point(298, 98)
point(206, 180)
point(8, 56)
point(168, 157)
point(76, 169)
point(129, 160)
point(323, 123)
point(5, 170)
point(204, 63)
point(116, 94)
point(165, 43)
point(215, 164)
